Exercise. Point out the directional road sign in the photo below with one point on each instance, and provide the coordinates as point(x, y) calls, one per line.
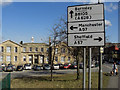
point(85, 12)
point(86, 26)
point(87, 39)
point(82, 27)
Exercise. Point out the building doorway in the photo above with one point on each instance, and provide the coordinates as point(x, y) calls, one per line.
point(36, 59)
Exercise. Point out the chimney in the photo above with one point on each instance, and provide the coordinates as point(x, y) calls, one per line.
point(32, 39)
point(21, 42)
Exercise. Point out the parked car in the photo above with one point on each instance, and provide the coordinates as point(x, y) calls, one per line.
point(56, 66)
point(73, 66)
point(61, 66)
point(66, 66)
point(92, 65)
point(14, 67)
point(9, 68)
point(37, 67)
point(3, 65)
point(19, 68)
point(46, 66)
point(1, 69)
point(118, 62)
point(27, 67)
point(81, 65)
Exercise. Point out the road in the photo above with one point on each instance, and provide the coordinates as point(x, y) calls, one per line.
point(27, 73)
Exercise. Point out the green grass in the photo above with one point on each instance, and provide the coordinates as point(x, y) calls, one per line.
point(60, 81)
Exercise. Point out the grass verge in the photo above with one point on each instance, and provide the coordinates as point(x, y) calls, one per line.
point(60, 81)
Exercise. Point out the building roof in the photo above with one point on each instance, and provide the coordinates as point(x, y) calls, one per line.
point(35, 43)
point(12, 42)
point(25, 43)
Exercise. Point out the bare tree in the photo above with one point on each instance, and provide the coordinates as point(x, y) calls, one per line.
point(59, 34)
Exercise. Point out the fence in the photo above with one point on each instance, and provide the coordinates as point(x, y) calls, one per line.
point(6, 82)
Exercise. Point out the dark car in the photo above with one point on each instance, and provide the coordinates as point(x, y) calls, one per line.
point(13, 66)
point(118, 62)
point(9, 68)
point(61, 66)
point(46, 67)
point(19, 68)
point(73, 66)
point(81, 65)
point(37, 67)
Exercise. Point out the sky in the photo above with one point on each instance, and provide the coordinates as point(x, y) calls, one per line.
point(23, 20)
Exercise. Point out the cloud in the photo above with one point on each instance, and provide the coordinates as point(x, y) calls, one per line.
point(107, 23)
point(111, 7)
point(5, 2)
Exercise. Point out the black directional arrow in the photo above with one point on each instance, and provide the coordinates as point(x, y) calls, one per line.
point(99, 39)
point(73, 27)
point(71, 13)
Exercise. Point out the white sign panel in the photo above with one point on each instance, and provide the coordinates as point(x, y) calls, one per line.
point(87, 39)
point(85, 12)
point(82, 27)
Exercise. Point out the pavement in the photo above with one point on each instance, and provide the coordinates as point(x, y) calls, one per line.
point(114, 81)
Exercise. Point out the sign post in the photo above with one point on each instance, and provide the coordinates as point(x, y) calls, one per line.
point(86, 27)
point(84, 72)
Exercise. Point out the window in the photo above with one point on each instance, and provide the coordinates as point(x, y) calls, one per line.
point(30, 59)
point(1, 58)
point(2, 49)
point(41, 59)
point(15, 58)
point(56, 50)
point(30, 49)
point(24, 49)
point(47, 59)
point(62, 59)
point(8, 49)
point(42, 50)
point(36, 49)
point(56, 59)
point(15, 50)
point(8, 58)
point(62, 50)
point(24, 58)
point(68, 59)
point(47, 49)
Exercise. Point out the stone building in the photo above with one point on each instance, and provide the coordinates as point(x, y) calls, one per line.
point(34, 53)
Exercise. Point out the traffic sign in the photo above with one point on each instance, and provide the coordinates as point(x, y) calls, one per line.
point(86, 39)
point(86, 26)
point(82, 27)
point(85, 12)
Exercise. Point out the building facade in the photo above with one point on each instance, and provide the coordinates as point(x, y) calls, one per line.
point(34, 53)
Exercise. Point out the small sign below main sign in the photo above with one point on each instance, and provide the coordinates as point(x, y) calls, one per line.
point(82, 27)
point(87, 39)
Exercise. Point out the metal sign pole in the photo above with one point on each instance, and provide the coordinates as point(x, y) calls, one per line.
point(98, 1)
point(100, 68)
point(84, 72)
point(89, 77)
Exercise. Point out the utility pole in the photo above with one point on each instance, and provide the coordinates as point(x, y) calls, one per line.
point(100, 68)
point(89, 72)
point(84, 67)
point(98, 1)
